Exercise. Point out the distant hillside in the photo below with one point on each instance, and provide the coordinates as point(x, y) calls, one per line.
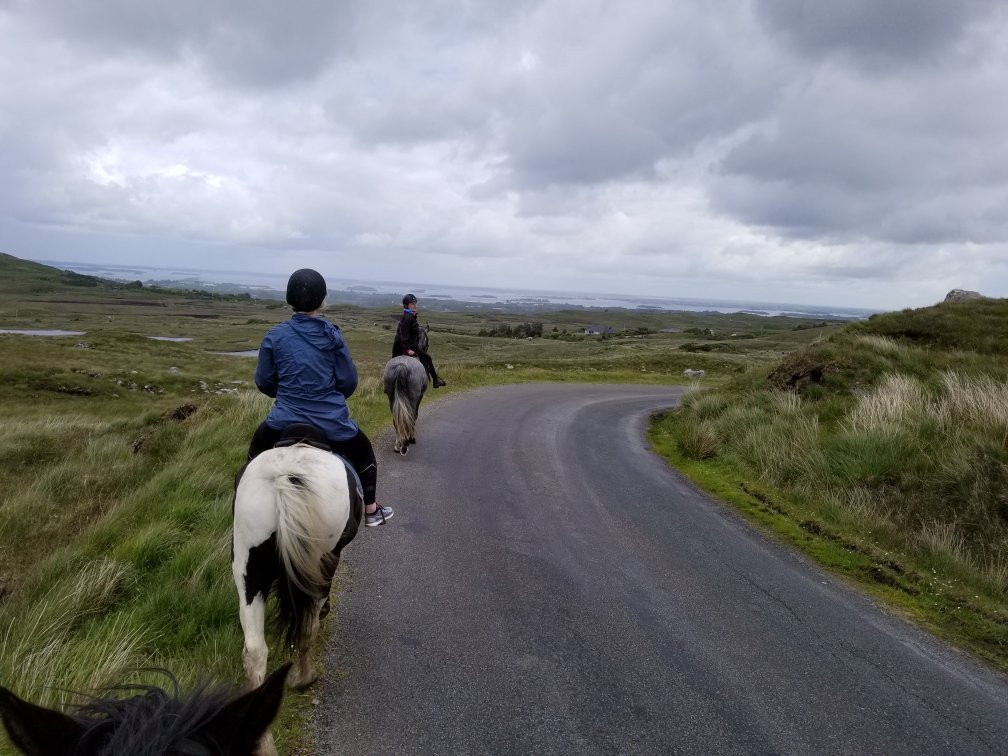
point(20, 278)
point(962, 336)
point(17, 275)
point(979, 325)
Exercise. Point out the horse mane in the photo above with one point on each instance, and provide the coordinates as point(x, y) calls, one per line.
point(145, 719)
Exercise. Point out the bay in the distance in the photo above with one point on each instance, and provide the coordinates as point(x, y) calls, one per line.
point(447, 296)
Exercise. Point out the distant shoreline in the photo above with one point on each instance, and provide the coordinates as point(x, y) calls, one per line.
point(384, 293)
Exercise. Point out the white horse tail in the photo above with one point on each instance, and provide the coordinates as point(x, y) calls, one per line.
point(403, 415)
point(299, 514)
point(307, 564)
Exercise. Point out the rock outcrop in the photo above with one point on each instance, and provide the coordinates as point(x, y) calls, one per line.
point(961, 295)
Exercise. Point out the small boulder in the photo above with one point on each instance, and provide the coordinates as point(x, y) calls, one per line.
point(690, 373)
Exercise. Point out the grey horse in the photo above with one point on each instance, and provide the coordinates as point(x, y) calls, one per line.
point(405, 381)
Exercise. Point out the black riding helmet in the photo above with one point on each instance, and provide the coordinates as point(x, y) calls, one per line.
point(408, 300)
point(306, 290)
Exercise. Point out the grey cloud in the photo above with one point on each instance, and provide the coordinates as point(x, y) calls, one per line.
point(918, 159)
point(253, 42)
point(614, 105)
point(870, 33)
point(820, 211)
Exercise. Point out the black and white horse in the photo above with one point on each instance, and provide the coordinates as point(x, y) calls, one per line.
point(295, 508)
point(405, 381)
point(149, 723)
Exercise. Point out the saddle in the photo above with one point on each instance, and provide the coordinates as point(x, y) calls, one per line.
point(303, 433)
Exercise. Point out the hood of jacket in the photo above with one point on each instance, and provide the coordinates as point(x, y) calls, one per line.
point(318, 332)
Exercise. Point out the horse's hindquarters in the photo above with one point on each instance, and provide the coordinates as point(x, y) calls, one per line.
point(257, 494)
point(405, 381)
point(292, 508)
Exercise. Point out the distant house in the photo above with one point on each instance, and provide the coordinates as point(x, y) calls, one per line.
point(598, 329)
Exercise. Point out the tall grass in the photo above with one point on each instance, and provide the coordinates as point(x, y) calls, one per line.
point(913, 451)
point(55, 646)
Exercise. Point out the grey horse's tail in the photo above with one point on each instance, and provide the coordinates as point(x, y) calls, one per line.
point(403, 415)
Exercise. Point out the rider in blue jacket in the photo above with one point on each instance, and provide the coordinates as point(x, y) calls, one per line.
point(305, 365)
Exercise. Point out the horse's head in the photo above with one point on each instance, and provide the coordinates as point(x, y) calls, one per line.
point(422, 341)
point(153, 722)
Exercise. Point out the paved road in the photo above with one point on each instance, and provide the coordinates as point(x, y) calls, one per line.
point(549, 586)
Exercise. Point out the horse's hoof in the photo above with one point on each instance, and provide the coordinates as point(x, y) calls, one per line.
point(412, 440)
point(266, 746)
point(403, 450)
point(300, 683)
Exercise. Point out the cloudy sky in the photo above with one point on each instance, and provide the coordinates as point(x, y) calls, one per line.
point(850, 153)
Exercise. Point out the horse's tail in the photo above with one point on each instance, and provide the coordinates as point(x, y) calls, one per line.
point(403, 415)
point(308, 566)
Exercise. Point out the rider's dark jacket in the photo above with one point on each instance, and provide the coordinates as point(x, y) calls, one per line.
point(407, 334)
point(306, 366)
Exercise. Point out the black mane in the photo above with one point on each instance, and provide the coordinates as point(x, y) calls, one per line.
point(147, 720)
point(144, 720)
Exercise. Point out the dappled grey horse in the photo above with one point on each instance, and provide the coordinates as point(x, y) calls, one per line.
point(405, 381)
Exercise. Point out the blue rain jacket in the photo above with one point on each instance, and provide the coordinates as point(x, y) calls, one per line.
point(306, 366)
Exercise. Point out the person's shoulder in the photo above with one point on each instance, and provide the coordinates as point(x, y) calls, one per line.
point(331, 328)
point(278, 330)
point(333, 332)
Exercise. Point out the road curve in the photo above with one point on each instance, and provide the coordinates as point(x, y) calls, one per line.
point(549, 586)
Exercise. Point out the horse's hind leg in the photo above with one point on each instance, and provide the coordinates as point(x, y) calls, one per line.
point(254, 572)
point(254, 655)
point(304, 672)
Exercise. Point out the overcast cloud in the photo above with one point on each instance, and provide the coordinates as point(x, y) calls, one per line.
point(850, 153)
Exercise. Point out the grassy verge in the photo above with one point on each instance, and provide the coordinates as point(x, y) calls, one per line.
point(884, 457)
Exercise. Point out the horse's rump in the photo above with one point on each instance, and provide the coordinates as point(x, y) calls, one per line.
point(295, 507)
point(405, 381)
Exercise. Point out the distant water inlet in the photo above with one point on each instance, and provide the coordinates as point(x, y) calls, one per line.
point(41, 332)
point(246, 353)
point(177, 339)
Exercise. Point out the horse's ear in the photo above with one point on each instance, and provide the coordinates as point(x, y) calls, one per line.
point(36, 730)
point(238, 726)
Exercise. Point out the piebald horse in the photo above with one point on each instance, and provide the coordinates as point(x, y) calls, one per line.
point(295, 507)
point(405, 381)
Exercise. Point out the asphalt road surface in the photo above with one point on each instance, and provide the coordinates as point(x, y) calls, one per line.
point(549, 586)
